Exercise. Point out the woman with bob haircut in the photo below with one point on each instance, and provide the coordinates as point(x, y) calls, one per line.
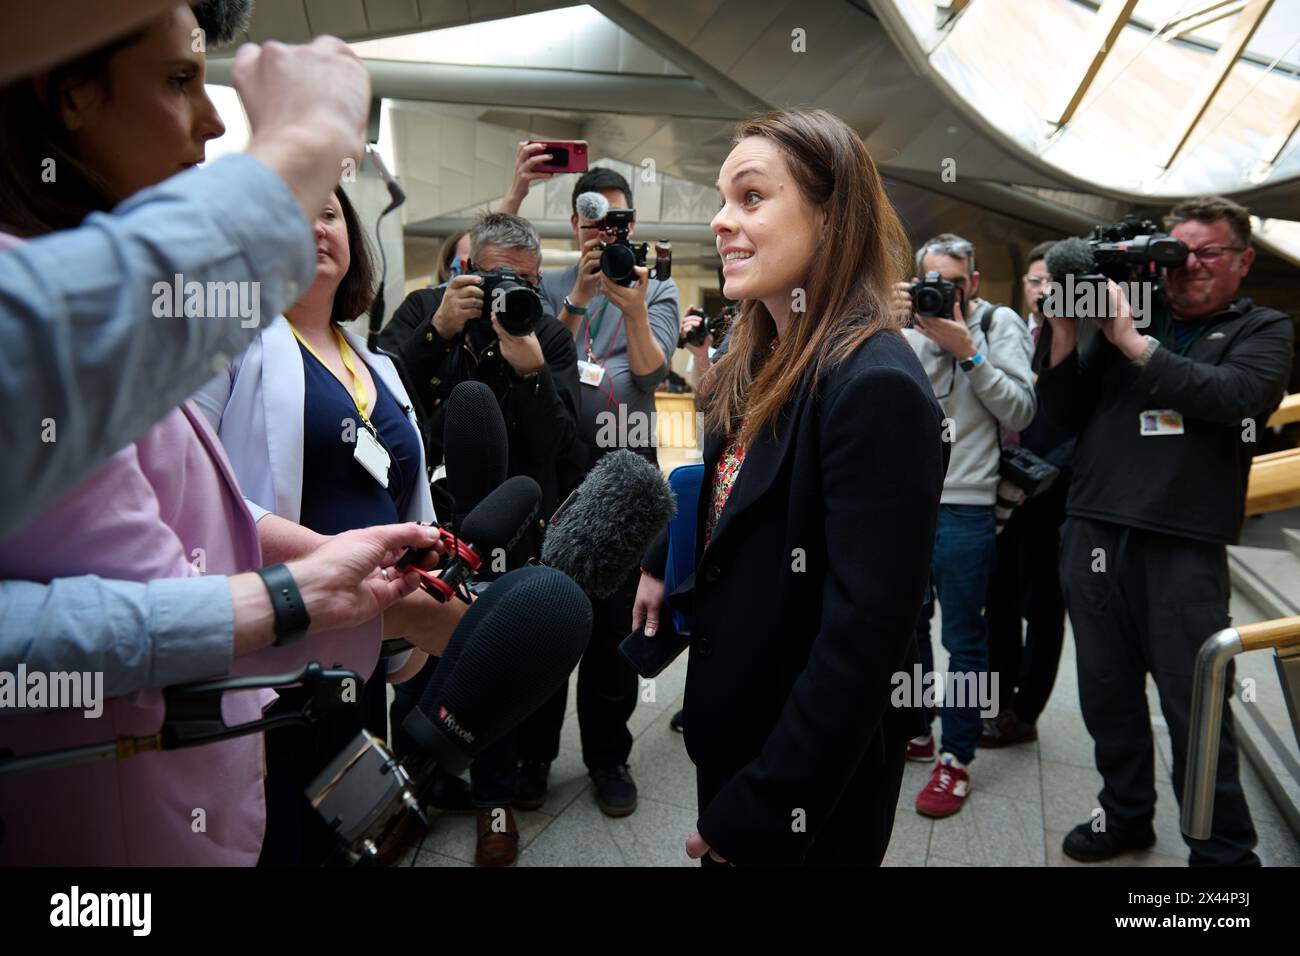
point(823, 467)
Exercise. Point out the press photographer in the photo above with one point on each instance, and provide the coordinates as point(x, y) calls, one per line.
point(1166, 427)
point(489, 325)
point(976, 355)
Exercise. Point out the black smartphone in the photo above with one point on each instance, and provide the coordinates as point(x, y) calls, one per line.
point(650, 655)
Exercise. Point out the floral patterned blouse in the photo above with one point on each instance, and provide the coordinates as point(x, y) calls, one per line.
point(724, 477)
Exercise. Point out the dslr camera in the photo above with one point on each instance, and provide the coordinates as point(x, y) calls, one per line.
point(933, 296)
point(715, 325)
point(511, 298)
point(620, 257)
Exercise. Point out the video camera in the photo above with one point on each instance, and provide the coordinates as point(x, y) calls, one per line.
point(620, 256)
point(715, 326)
point(1133, 249)
point(1130, 252)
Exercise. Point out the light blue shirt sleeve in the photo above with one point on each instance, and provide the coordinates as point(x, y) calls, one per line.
point(93, 352)
point(138, 636)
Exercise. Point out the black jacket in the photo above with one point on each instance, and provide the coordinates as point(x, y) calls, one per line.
point(805, 606)
point(1191, 485)
point(541, 417)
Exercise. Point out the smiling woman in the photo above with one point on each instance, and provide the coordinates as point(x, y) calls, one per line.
point(824, 464)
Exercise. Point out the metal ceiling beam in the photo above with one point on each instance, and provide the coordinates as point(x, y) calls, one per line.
point(534, 88)
point(718, 83)
point(1110, 20)
point(1199, 11)
point(1242, 31)
point(1286, 129)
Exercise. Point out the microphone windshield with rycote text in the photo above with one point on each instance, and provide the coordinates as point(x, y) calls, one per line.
point(511, 651)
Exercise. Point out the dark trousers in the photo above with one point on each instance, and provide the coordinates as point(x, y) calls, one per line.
point(1026, 587)
point(858, 831)
point(1142, 602)
point(607, 692)
point(295, 833)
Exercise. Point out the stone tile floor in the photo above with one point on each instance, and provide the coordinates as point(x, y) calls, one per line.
point(1023, 800)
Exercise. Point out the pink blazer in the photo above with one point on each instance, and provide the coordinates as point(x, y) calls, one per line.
point(166, 506)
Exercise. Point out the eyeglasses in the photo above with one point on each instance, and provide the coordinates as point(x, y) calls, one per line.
point(1213, 253)
point(1035, 281)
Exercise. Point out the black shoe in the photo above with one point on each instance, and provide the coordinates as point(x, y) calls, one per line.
point(1089, 846)
point(1006, 730)
point(451, 794)
point(676, 723)
point(530, 786)
point(615, 791)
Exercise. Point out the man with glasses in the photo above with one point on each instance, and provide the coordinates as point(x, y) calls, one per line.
point(978, 363)
point(443, 339)
point(1026, 610)
point(1166, 424)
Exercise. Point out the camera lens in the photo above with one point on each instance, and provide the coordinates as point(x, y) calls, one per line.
point(618, 261)
point(520, 308)
point(929, 302)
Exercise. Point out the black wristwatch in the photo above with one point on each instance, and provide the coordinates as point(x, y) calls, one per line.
point(291, 617)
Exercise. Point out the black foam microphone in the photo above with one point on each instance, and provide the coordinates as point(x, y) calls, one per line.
point(511, 651)
point(598, 535)
point(1071, 256)
point(499, 521)
point(474, 446)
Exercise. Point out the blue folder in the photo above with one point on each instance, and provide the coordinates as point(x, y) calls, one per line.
point(685, 482)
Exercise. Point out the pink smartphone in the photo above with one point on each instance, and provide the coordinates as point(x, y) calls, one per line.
point(567, 155)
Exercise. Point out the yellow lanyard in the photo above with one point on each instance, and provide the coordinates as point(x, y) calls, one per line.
point(359, 396)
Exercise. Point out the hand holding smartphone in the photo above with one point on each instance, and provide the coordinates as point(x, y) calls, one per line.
point(567, 155)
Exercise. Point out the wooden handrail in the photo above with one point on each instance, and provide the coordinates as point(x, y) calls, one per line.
point(1287, 412)
point(1277, 633)
point(1274, 482)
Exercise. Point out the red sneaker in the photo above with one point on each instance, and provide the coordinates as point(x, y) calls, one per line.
point(921, 748)
point(947, 790)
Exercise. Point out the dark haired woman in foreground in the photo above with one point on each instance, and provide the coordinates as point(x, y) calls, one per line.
point(824, 464)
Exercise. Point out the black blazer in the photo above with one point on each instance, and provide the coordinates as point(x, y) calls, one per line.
point(805, 606)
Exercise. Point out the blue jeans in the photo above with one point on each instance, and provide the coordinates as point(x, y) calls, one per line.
point(964, 550)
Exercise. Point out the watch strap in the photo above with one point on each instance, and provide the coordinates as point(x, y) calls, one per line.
point(291, 617)
point(575, 309)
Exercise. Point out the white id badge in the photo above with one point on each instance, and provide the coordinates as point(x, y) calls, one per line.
point(1160, 421)
point(589, 373)
point(372, 456)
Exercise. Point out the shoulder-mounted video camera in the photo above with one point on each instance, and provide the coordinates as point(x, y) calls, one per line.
point(1133, 249)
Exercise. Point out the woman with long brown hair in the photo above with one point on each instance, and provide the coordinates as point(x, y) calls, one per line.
point(823, 467)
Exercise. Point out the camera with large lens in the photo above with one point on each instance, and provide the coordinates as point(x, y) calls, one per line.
point(1134, 248)
point(714, 325)
point(510, 297)
point(620, 257)
point(933, 296)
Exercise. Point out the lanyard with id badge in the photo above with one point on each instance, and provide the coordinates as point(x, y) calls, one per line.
point(368, 451)
point(1167, 421)
point(592, 372)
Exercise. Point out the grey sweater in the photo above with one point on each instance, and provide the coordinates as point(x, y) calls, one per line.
point(999, 392)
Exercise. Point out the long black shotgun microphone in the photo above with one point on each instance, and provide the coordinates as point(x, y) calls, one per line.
point(511, 651)
point(474, 446)
point(598, 535)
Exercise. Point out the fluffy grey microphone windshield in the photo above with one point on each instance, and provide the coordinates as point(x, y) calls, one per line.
point(591, 206)
point(1071, 256)
point(598, 535)
point(222, 20)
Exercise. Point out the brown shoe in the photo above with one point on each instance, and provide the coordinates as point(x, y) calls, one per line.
point(1007, 730)
point(498, 837)
point(409, 831)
